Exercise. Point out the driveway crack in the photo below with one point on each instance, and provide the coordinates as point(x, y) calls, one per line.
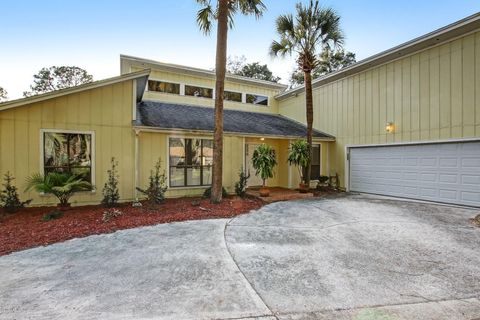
point(242, 273)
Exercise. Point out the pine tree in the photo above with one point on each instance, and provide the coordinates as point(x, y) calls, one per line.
point(9, 198)
point(157, 186)
point(110, 191)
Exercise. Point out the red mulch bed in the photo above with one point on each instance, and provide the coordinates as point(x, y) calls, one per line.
point(25, 229)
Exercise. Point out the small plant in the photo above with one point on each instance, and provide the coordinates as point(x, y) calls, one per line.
point(9, 198)
point(61, 185)
point(476, 220)
point(55, 214)
point(241, 184)
point(299, 157)
point(157, 186)
point(111, 213)
point(264, 160)
point(208, 192)
point(110, 191)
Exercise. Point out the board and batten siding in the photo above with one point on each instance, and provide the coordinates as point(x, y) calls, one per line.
point(106, 111)
point(431, 95)
point(210, 83)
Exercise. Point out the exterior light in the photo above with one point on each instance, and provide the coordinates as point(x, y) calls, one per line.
point(262, 139)
point(390, 127)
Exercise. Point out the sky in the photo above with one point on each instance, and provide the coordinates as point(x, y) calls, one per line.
point(92, 34)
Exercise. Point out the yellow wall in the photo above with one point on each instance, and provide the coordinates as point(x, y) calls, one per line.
point(432, 95)
point(153, 145)
point(106, 111)
point(210, 83)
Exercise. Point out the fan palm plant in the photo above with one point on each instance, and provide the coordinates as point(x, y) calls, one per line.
point(223, 11)
point(263, 161)
point(312, 30)
point(61, 185)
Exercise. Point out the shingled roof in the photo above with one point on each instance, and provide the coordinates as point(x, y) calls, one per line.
point(185, 117)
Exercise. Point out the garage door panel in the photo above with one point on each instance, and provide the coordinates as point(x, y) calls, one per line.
point(444, 172)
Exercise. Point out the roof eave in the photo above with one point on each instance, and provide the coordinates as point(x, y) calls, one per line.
point(59, 93)
point(228, 133)
point(457, 29)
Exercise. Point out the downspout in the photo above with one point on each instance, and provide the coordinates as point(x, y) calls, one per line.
point(136, 161)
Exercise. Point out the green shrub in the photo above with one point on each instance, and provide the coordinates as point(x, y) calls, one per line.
point(157, 186)
point(208, 192)
point(61, 185)
point(9, 198)
point(55, 214)
point(110, 192)
point(264, 160)
point(241, 184)
point(299, 156)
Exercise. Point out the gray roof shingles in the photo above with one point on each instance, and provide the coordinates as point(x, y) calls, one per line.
point(185, 117)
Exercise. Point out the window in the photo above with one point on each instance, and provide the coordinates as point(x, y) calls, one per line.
point(68, 152)
point(190, 162)
point(198, 91)
point(165, 87)
point(232, 96)
point(256, 99)
point(316, 156)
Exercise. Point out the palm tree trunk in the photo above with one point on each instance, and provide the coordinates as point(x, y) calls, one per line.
point(220, 70)
point(309, 109)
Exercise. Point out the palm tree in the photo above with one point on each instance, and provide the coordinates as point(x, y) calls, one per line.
point(223, 12)
point(312, 30)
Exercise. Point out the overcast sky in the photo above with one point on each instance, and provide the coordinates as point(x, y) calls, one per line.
point(92, 34)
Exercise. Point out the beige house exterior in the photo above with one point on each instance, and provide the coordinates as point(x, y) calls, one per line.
point(427, 91)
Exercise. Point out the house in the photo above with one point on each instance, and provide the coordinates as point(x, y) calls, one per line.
point(405, 122)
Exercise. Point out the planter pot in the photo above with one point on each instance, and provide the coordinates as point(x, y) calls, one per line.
point(264, 192)
point(64, 207)
point(303, 188)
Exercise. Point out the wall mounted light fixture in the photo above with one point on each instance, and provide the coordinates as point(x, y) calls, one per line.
point(390, 127)
point(262, 139)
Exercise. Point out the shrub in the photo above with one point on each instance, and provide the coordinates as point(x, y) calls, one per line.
point(110, 191)
point(111, 213)
point(241, 184)
point(208, 192)
point(9, 198)
point(299, 156)
point(264, 160)
point(61, 185)
point(55, 214)
point(157, 186)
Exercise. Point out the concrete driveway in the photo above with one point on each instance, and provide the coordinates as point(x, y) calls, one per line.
point(353, 257)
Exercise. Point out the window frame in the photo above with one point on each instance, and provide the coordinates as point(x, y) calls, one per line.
point(92, 146)
point(166, 81)
point(230, 91)
point(185, 186)
point(185, 85)
point(257, 104)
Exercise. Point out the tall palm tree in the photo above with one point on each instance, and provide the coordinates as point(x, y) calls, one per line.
point(312, 30)
point(223, 12)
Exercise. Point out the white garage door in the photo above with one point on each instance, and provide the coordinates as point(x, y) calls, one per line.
point(442, 172)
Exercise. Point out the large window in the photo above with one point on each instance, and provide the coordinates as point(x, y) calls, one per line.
point(198, 91)
point(232, 96)
point(316, 156)
point(161, 86)
point(190, 162)
point(257, 99)
point(68, 152)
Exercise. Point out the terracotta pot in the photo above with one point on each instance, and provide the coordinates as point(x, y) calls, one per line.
point(303, 188)
point(64, 207)
point(264, 192)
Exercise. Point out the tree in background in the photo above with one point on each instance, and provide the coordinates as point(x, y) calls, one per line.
point(57, 78)
point(329, 61)
point(255, 70)
point(312, 30)
point(3, 95)
point(223, 12)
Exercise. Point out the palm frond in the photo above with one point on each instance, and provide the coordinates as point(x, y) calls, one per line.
point(205, 16)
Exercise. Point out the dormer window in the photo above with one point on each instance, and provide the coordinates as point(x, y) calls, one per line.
point(162, 86)
point(257, 99)
point(198, 91)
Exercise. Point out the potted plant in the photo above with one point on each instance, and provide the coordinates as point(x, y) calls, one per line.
point(299, 156)
point(264, 160)
point(61, 185)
